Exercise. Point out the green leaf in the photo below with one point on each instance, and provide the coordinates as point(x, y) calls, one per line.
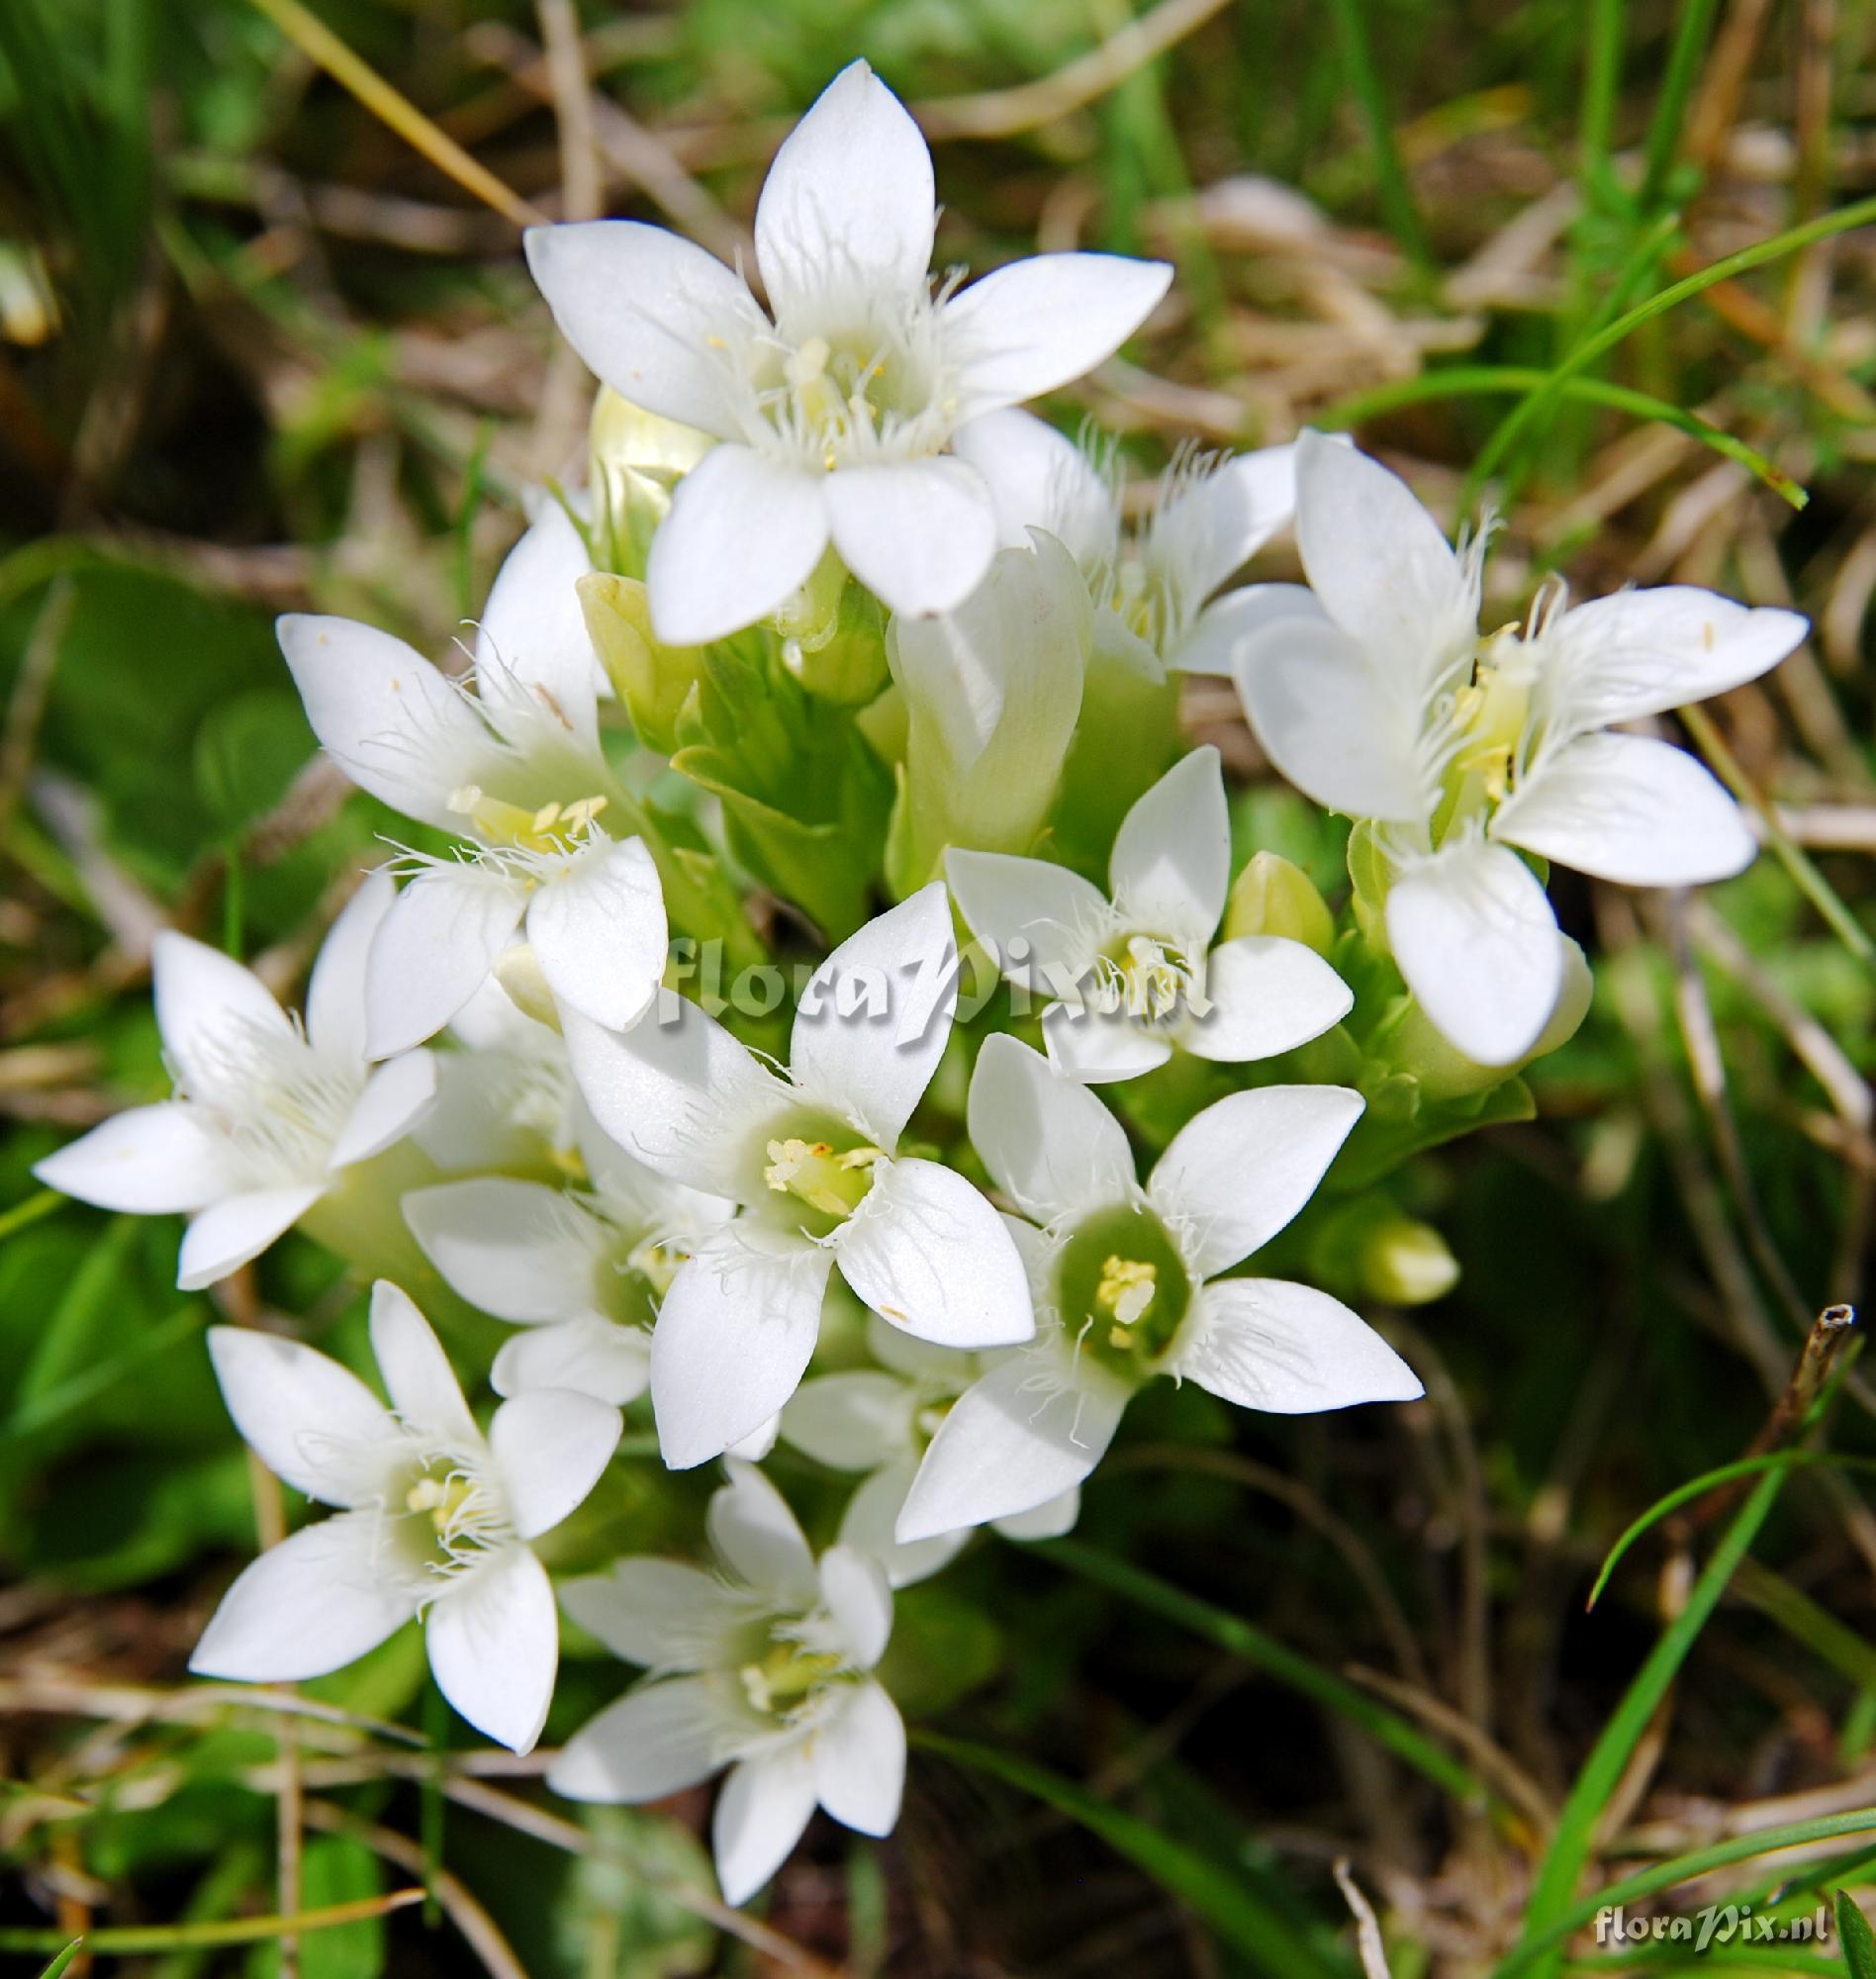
point(77, 1945)
point(334, 1871)
point(1855, 1937)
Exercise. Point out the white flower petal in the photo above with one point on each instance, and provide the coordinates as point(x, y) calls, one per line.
point(236, 1230)
point(1237, 1172)
point(533, 629)
point(335, 995)
point(765, 1805)
point(851, 1422)
point(1170, 866)
point(599, 933)
point(1031, 1429)
point(1378, 563)
point(520, 1250)
point(919, 534)
point(1042, 925)
point(1628, 808)
point(494, 1642)
point(638, 1198)
point(744, 535)
point(859, 1597)
point(1285, 1348)
point(1327, 718)
point(874, 1017)
point(732, 1342)
point(860, 1762)
point(1039, 479)
point(295, 1409)
point(756, 1536)
point(684, 1096)
point(304, 1607)
point(1101, 1047)
point(1643, 652)
point(151, 1160)
point(418, 1376)
point(435, 949)
point(1267, 996)
point(654, 1742)
point(1048, 1521)
point(661, 1613)
point(551, 1447)
point(1222, 630)
point(872, 1514)
point(205, 1001)
point(642, 307)
point(592, 1356)
point(1028, 327)
point(1476, 940)
point(1049, 1144)
point(849, 201)
point(759, 1442)
point(928, 1251)
point(391, 721)
point(921, 1360)
point(397, 1095)
point(1226, 516)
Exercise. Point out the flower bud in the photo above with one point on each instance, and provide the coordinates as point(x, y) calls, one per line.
point(1273, 896)
point(517, 970)
point(833, 636)
point(636, 458)
point(1445, 1072)
point(1404, 1262)
point(652, 681)
point(991, 692)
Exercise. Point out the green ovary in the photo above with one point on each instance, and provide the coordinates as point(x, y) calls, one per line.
point(1122, 1290)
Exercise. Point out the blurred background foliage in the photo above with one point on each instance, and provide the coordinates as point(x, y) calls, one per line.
point(256, 354)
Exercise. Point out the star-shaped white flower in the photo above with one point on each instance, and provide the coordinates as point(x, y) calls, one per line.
point(433, 1519)
point(268, 1111)
point(835, 408)
point(581, 1271)
point(812, 1159)
point(881, 1420)
point(1127, 979)
point(1154, 586)
point(763, 1667)
point(504, 1098)
point(515, 770)
point(1129, 1282)
point(1378, 698)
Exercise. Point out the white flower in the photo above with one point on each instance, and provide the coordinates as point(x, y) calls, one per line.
point(433, 1519)
point(267, 1111)
point(504, 1099)
point(581, 1271)
point(881, 1420)
point(515, 770)
point(1154, 587)
point(836, 408)
point(1379, 699)
point(763, 1668)
point(1128, 1282)
point(812, 1157)
point(1126, 980)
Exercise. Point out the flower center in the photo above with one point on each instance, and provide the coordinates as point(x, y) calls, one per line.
point(277, 1101)
point(1122, 1289)
point(447, 1518)
point(1147, 979)
point(554, 828)
point(657, 1260)
point(786, 1676)
point(818, 1171)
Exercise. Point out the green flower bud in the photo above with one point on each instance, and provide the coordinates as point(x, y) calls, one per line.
point(1415, 1047)
point(636, 458)
point(652, 681)
point(1273, 896)
point(1404, 1262)
point(833, 636)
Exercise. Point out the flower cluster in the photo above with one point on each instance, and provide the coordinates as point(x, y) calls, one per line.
point(840, 650)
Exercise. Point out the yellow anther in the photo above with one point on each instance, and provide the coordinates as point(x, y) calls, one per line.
point(823, 1180)
point(441, 1497)
point(657, 1262)
point(1126, 1290)
point(499, 822)
point(785, 1676)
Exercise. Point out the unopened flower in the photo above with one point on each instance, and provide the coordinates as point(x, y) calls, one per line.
point(881, 1421)
point(836, 408)
point(581, 1271)
point(1154, 586)
point(433, 1519)
point(1129, 1282)
point(763, 1667)
point(1128, 979)
point(268, 1110)
point(812, 1159)
point(1379, 699)
point(516, 771)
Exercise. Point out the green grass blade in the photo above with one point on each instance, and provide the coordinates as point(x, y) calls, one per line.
point(128, 1939)
point(1371, 99)
point(1856, 1937)
point(1386, 1727)
point(1576, 1825)
point(1670, 107)
point(1224, 1901)
point(77, 1945)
